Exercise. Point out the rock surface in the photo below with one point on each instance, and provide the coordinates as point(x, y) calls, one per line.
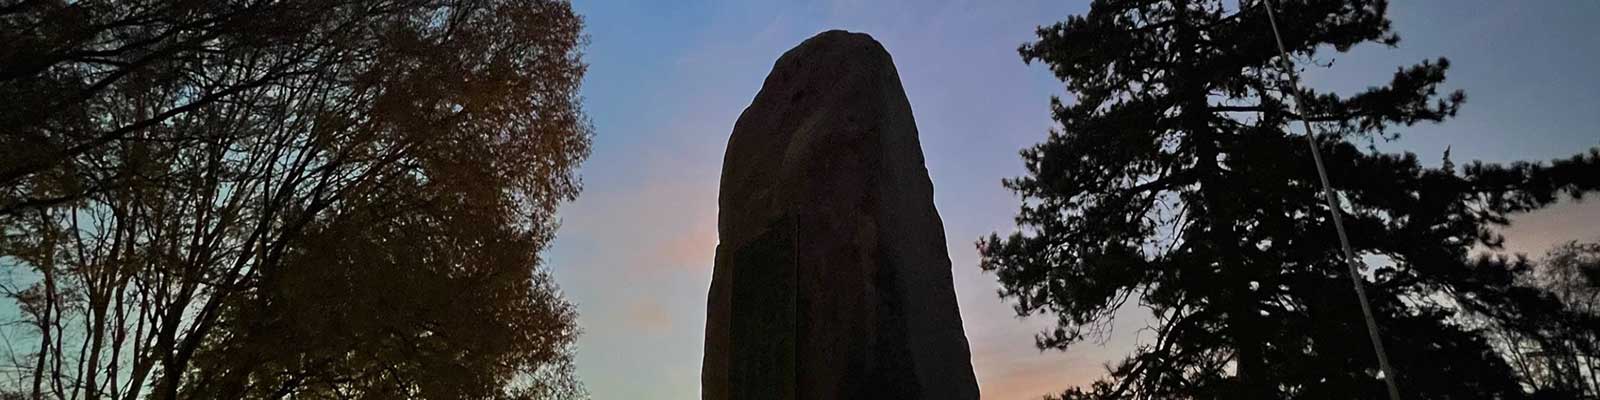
point(832, 278)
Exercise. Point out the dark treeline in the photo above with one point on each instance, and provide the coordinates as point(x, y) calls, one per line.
point(1176, 183)
point(286, 199)
point(322, 199)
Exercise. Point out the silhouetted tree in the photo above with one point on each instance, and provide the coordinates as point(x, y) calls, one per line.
point(1174, 181)
point(1558, 357)
point(303, 198)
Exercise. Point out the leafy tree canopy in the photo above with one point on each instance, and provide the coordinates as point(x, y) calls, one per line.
point(301, 198)
point(1174, 181)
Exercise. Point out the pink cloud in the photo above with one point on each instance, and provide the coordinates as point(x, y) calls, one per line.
point(694, 248)
point(649, 317)
point(1535, 233)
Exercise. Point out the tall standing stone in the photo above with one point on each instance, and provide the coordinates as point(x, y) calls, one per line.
point(832, 278)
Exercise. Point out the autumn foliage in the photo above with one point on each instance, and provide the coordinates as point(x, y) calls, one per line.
point(303, 198)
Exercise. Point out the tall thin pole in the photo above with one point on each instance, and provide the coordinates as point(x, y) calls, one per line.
point(1328, 194)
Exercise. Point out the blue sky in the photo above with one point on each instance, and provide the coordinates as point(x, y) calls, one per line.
point(668, 79)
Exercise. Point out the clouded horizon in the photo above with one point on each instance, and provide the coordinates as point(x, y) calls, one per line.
point(668, 79)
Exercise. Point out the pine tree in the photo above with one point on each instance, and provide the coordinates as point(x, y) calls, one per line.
point(1174, 181)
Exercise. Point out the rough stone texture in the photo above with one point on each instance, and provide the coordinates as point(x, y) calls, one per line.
point(832, 278)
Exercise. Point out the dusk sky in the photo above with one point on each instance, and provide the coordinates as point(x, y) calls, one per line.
point(667, 79)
